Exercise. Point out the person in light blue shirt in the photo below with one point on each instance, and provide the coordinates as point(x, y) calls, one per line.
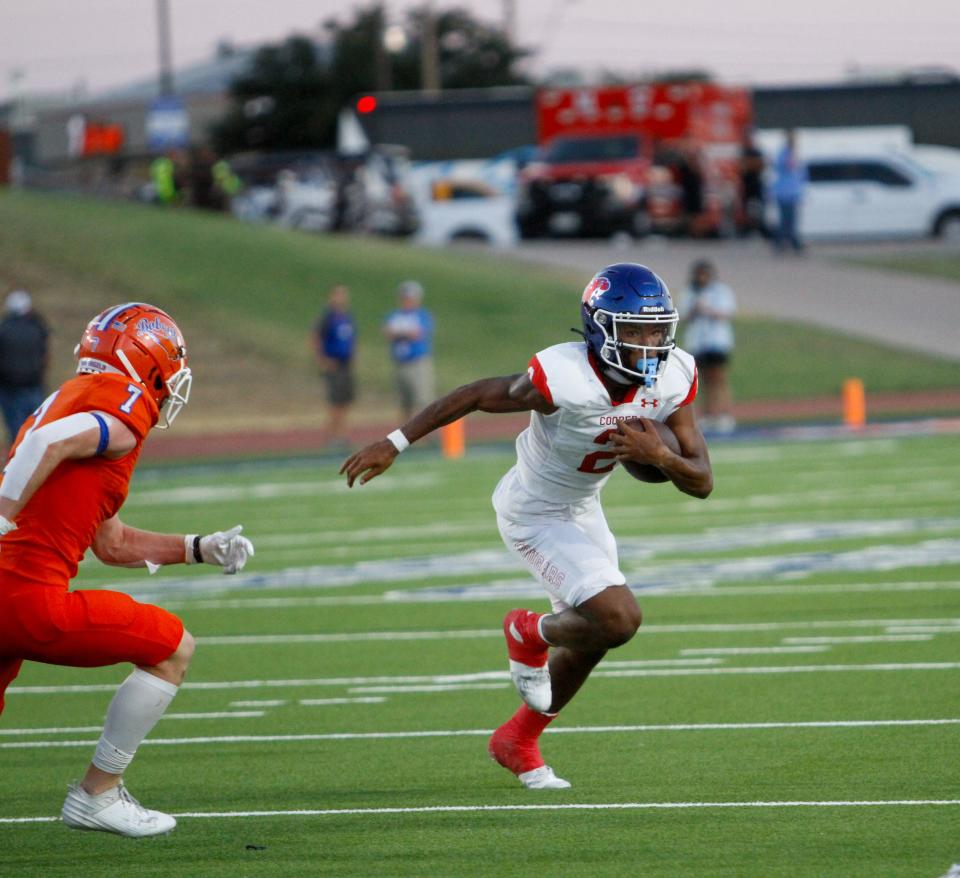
point(409, 330)
point(789, 184)
point(707, 308)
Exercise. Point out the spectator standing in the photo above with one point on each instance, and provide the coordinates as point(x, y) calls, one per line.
point(23, 360)
point(409, 329)
point(789, 184)
point(334, 336)
point(752, 166)
point(690, 178)
point(167, 174)
point(706, 309)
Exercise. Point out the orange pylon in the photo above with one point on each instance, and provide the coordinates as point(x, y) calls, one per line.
point(854, 403)
point(453, 440)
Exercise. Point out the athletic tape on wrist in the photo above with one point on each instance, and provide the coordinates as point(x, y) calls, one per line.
point(191, 549)
point(398, 440)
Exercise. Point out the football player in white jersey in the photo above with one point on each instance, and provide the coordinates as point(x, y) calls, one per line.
point(588, 402)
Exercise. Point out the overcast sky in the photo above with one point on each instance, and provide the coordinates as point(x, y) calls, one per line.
point(56, 44)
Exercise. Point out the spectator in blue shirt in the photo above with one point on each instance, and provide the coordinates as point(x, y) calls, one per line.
point(334, 336)
point(789, 183)
point(410, 331)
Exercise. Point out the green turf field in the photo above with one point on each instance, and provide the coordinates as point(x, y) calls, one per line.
point(791, 706)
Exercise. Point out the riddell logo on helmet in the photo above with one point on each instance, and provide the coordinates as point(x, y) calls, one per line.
point(653, 309)
point(596, 288)
point(157, 327)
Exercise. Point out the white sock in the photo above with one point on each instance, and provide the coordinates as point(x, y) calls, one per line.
point(540, 628)
point(139, 702)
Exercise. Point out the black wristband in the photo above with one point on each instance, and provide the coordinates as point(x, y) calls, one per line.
point(196, 550)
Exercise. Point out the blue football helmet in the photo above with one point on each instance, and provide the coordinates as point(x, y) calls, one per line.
point(628, 293)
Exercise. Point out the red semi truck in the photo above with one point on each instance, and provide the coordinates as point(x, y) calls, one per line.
point(612, 159)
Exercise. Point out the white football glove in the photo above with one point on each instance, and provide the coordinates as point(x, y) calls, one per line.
point(225, 547)
point(6, 525)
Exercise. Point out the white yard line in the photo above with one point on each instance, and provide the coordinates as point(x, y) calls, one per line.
point(63, 730)
point(323, 702)
point(780, 669)
point(354, 637)
point(438, 687)
point(878, 638)
point(233, 714)
point(432, 597)
point(948, 625)
point(459, 733)
point(490, 676)
point(782, 626)
point(925, 629)
point(569, 806)
point(266, 702)
point(752, 650)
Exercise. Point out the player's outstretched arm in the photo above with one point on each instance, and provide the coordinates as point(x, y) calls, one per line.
point(510, 393)
point(119, 545)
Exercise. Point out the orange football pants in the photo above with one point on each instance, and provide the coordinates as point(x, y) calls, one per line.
point(83, 629)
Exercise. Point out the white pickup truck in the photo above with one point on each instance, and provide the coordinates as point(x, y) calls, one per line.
point(879, 196)
point(873, 182)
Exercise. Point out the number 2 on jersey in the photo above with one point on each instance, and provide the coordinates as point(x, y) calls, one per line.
point(135, 393)
point(589, 463)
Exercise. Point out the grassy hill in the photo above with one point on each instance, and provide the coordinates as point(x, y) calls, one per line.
point(247, 296)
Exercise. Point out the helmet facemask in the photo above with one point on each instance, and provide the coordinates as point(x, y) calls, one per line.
point(652, 357)
point(179, 394)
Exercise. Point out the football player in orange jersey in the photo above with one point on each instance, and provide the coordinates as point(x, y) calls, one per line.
point(66, 478)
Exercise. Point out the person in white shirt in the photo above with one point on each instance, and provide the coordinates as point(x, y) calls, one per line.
point(706, 308)
point(591, 403)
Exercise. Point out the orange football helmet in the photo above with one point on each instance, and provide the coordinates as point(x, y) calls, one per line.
point(142, 342)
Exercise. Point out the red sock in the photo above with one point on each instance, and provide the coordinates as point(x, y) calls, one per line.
point(528, 723)
point(524, 642)
point(531, 630)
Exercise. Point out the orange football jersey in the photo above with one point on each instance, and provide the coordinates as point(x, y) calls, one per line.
point(58, 523)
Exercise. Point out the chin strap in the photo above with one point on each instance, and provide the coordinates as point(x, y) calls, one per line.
point(618, 377)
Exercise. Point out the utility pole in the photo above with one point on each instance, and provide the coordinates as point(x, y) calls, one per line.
point(381, 57)
point(510, 20)
point(429, 68)
point(163, 46)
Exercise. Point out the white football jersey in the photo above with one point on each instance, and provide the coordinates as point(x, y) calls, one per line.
point(566, 457)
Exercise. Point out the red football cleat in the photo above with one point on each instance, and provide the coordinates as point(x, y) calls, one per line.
point(521, 755)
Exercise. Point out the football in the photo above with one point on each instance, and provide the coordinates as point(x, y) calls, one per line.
point(646, 472)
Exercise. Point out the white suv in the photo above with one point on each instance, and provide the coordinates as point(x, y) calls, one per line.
point(878, 196)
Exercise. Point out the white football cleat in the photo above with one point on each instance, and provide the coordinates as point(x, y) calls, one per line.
point(113, 811)
point(533, 684)
point(543, 778)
